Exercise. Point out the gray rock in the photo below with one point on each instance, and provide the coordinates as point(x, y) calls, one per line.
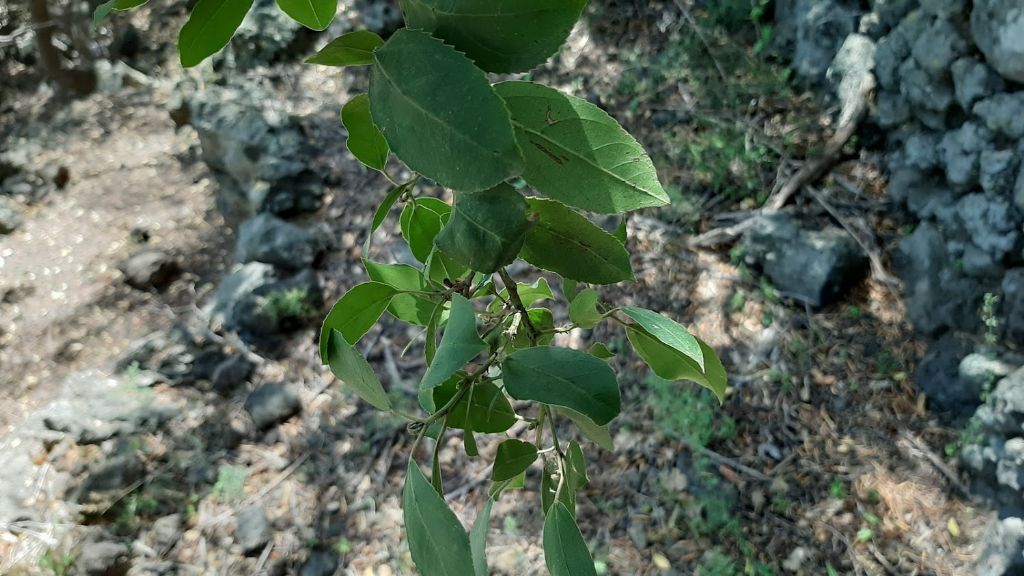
point(154, 568)
point(1018, 189)
point(1003, 113)
point(890, 52)
point(991, 222)
point(921, 150)
point(166, 532)
point(960, 151)
point(281, 306)
point(998, 29)
point(822, 25)
point(320, 563)
point(10, 215)
point(933, 94)
point(979, 263)
point(93, 407)
point(255, 149)
point(179, 356)
point(943, 8)
point(851, 70)
point(983, 371)
point(929, 198)
point(231, 374)
point(268, 239)
point(890, 12)
point(272, 403)
point(111, 475)
point(150, 268)
point(104, 558)
point(18, 489)
point(974, 80)
point(938, 376)
point(239, 284)
point(266, 36)
point(1002, 549)
point(891, 109)
point(253, 530)
point(813, 266)
point(937, 48)
point(937, 296)
point(1013, 306)
point(998, 171)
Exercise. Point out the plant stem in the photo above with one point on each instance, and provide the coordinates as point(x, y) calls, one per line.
point(513, 294)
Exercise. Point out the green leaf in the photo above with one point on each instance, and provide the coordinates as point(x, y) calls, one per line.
point(563, 241)
point(101, 12)
point(667, 331)
point(597, 434)
point(478, 538)
point(570, 288)
point(487, 411)
point(437, 542)
point(382, 211)
point(670, 364)
point(209, 27)
point(352, 49)
point(411, 308)
point(583, 309)
point(600, 350)
point(441, 267)
point(576, 153)
point(576, 466)
point(530, 294)
point(313, 14)
point(563, 377)
point(355, 313)
point(496, 488)
point(500, 35)
point(544, 321)
point(421, 222)
point(512, 459)
point(486, 229)
point(459, 344)
point(440, 114)
point(548, 485)
point(354, 371)
point(430, 339)
point(621, 231)
point(565, 551)
point(365, 141)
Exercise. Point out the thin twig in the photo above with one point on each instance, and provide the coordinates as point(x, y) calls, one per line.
point(877, 266)
point(513, 294)
point(939, 465)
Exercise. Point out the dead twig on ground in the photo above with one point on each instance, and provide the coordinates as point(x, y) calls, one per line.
point(878, 269)
point(916, 445)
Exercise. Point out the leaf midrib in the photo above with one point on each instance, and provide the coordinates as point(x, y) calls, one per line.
point(556, 232)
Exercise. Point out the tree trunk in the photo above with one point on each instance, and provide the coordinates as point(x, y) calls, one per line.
point(69, 80)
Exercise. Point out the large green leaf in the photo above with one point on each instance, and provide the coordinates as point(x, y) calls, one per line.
point(563, 241)
point(412, 308)
point(578, 154)
point(365, 141)
point(354, 371)
point(486, 229)
point(421, 222)
point(500, 35)
point(597, 434)
point(478, 538)
point(313, 14)
point(442, 269)
point(512, 459)
point(438, 543)
point(209, 27)
point(667, 331)
point(484, 409)
point(576, 466)
point(671, 364)
point(440, 114)
point(530, 294)
point(355, 313)
point(565, 551)
point(352, 49)
point(459, 344)
point(563, 377)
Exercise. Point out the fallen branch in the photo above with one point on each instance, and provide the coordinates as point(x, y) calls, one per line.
point(878, 269)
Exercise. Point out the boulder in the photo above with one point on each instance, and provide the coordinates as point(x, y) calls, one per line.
point(10, 215)
point(256, 302)
point(810, 265)
point(1002, 549)
point(821, 27)
point(891, 109)
point(921, 89)
point(100, 558)
point(1013, 306)
point(937, 47)
point(998, 171)
point(937, 296)
point(960, 151)
point(938, 376)
point(271, 404)
point(993, 455)
point(268, 239)
point(230, 374)
point(974, 80)
point(991, 222)
point(179, 356)
point(998, 30)
point(150, 268)
point(1003, 113)
point(943, 8)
